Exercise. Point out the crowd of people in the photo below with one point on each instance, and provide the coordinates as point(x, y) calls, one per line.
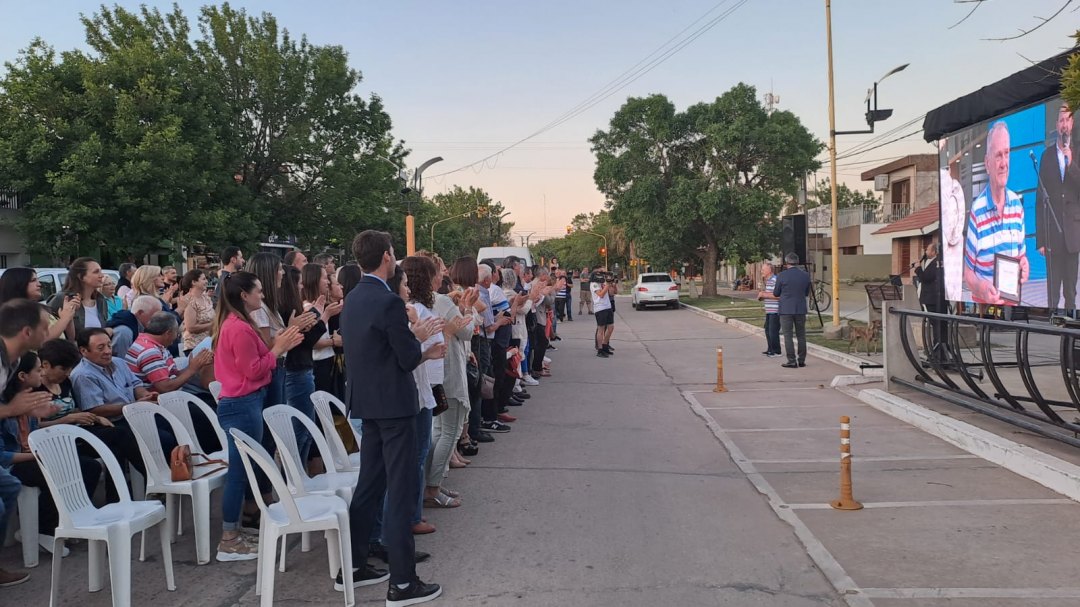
point(430, 358)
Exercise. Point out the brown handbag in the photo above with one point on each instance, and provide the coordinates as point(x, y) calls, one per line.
point(181, 466)
point(441, 404)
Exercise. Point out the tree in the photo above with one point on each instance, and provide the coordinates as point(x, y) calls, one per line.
point(458, 236)
point(156, 137)
point(581, 248)
point(708, 182)
point(1070, 78)
point(845, 196)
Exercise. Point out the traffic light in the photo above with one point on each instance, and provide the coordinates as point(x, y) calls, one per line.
point(569, 230)
point(481, 211)
point(603, 251)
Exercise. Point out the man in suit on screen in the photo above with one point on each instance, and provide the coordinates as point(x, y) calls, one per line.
point(1057, 235)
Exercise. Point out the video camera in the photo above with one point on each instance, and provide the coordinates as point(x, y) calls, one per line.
point(600, 277)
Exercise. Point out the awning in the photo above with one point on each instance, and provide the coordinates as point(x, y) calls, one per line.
point(1036, 83)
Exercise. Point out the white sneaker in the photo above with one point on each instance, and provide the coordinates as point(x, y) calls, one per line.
point(529, 381)
point(547, 361)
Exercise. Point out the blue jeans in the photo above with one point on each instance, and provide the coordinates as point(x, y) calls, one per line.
point(772, 332)
point(423, 445)
point(298, 388)
point(9, 496)
point(245, 414)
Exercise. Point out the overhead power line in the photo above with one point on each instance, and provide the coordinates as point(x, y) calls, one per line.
point(639, 69)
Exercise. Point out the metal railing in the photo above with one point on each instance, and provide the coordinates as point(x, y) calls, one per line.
point(895, 212)
point(10, 199)
point(1012, 371)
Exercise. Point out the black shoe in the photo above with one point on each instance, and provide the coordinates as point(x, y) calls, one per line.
point(515, 402)
point(468, 449)
point(495, 426)
point(602, 353)
point(790, 365)
point(609, 350)
point(363, 576)
point(802, 364)
point(767, 353)
point(523, 395)
point(417, 592)
point(484, 437)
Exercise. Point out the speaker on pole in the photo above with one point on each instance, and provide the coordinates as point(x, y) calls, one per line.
point(793, 239)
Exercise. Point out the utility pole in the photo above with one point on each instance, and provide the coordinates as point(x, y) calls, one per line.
point(835, 231)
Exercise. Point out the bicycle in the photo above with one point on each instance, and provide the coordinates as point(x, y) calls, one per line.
point(822, 294)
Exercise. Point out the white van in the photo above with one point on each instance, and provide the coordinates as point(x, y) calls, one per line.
point(497, 255)
point(52, 279)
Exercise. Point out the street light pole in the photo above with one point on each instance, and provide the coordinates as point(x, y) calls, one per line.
point(410, 221)
point(605, 248)
point(835, 230)
point(466, 214)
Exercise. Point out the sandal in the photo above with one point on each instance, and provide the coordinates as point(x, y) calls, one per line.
point(441, 501)
point(449, 492)
point(467, 449)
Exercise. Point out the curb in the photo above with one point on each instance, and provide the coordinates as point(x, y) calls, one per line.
point(1049, 471)
point(844, 360)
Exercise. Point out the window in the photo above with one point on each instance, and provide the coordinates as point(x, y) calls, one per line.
point(48, 287)
point(655, 278)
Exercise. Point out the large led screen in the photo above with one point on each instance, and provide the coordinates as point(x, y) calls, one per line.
point(1010, 210)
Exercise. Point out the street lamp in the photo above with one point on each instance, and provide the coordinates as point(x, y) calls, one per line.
point(498, 232)
point(410, 221)
point(466, 214)
point(603, 251)
point(872, 115)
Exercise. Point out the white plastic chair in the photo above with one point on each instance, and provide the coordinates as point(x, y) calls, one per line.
point(279, 419)
point(110, 526)
point(323, 402)
point(141, 418)
point(215, 390)
point(178, 403)
point(295, 512)
point(27, 527)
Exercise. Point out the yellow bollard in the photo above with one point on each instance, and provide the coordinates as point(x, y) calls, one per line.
point(847, 500)
point(719, 370)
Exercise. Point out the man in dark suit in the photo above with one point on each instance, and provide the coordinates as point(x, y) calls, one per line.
point(1057, 228)
point(793, 287)
point(931, 295)
point(381, 352)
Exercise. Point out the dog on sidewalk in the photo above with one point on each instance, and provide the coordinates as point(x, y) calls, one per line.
point(869, 334)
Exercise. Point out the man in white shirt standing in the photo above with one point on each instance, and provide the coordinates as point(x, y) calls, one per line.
point(600, 289)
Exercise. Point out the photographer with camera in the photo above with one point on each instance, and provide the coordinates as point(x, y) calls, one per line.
point(602, 288)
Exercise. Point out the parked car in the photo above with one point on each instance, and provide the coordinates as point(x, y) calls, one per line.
point(52, 279)
point(655, 289)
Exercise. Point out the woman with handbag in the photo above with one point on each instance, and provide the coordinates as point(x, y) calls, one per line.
point(244, 364)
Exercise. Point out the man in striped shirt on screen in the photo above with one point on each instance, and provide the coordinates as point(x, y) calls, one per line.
point(995, 224)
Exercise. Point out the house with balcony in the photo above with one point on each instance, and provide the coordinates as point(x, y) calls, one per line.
point(911, 208)
point(863, 255)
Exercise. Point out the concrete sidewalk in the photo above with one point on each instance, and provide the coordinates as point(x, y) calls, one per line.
point(940, 527)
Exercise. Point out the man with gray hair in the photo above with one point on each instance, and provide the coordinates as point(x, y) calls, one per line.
point(772, 310)
point(149, 358)
point(126, 325)
point(995, 224)
point(792, 289)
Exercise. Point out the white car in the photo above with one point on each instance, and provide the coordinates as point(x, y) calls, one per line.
point(655, 289)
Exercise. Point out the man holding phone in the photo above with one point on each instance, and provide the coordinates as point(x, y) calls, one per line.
point(600, 288)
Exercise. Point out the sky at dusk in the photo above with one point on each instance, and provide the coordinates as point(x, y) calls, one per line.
point(464, 79)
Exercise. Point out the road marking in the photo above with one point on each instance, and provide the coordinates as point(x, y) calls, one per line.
point(829, 429)
point(1052, 501)
point(830, 567)
point(972, 593)
point(735, 408)
point(863, 458)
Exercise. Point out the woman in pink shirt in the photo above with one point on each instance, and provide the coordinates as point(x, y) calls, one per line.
point(243, 363)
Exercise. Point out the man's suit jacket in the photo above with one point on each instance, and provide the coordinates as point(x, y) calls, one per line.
point(1061, 201)
point(380, 353)
point(792, 287)
point(930, 293)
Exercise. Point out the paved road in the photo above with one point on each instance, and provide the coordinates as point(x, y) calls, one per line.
point(618, 486)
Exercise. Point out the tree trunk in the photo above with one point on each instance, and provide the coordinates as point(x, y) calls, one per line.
point(708, 271)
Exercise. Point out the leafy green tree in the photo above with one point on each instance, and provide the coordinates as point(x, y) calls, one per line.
point(1070, 78)
point(708, 182)
point(581, 247)
point(845, 196)
point(461, 230)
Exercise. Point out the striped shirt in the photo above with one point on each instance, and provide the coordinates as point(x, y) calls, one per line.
point(990, 233)
point(772, 306)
